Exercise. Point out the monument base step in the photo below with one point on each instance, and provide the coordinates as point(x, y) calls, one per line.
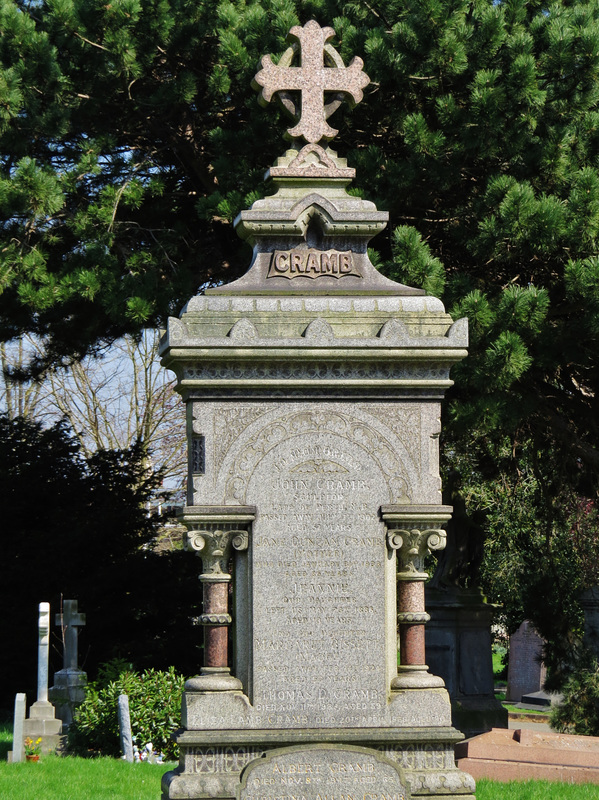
point(504, 755)
point(505, 771)
point(211, 761)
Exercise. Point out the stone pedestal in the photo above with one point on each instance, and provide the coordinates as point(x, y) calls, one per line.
point(42, 722)
point(67, 693)
point(459, 648)
point(313, 388)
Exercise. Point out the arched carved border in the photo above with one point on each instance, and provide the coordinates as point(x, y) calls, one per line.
point(296, 423)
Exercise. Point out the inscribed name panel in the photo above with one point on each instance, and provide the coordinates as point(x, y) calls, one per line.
point(322, 772)
point(318, 573)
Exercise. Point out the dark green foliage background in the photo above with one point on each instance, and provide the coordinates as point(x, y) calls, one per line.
point(76, 529)
point(131, 139)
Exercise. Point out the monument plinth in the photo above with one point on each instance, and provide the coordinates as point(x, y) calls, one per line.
point(313, 387)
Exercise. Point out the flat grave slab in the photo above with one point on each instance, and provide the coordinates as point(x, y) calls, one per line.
point(504, 755)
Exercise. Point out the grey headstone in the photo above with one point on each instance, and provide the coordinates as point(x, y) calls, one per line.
point(68, 691)
point(125, 728)
point(526, 672)
point(589, 601)
point(18, 749)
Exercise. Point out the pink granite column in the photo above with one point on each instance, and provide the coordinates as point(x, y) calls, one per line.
point(216, 620)
point(413, 532)
point(214, 545)
point(411, 618)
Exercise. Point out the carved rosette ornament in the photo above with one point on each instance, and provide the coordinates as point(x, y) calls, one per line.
point(215, 541)
point(413, 533)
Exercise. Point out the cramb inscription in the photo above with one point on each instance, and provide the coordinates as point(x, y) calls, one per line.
point(312, 263)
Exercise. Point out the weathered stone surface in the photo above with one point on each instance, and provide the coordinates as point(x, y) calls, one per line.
point(312, 79)
point(213, 761)
point(313, 388)
point(458, 646)
point(316, 772)
point(42, 714)
point(125, 728)
point(18, 748)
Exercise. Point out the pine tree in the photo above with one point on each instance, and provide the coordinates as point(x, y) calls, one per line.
point(131, 140)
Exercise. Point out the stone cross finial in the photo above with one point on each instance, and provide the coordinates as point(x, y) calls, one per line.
point(69, 620)
point(312, 79)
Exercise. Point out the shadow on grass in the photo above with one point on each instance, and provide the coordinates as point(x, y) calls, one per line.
point(5, 739)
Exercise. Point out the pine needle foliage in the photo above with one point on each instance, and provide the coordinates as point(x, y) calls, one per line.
point(130, 140)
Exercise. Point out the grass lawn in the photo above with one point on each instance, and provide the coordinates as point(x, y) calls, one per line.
point(536, 790)
point(54, 778)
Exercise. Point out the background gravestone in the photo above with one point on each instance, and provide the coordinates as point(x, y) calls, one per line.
point(459, 648)
point(18, 738)
point(68, 691)
point(589, 601)
point(313, 387)
point(526, 672)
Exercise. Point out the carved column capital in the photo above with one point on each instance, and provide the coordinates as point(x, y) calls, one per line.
point(414, 532)
point(412, 547)
point(214, 532)
point(213, 544)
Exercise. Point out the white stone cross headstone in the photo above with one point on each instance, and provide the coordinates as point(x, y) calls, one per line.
point(70, 620)
point(43, 652)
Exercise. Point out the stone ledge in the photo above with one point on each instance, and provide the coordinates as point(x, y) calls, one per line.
point(340, 305)
point(279, 738)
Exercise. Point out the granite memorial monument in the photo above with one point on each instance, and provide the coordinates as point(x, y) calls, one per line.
point(313, 387)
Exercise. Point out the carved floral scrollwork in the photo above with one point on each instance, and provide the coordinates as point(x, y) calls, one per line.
point(413, 546)
point(240, 540)
point(214, 548)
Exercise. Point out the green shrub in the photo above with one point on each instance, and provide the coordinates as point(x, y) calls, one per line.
point(154, 706)
point(579, 711)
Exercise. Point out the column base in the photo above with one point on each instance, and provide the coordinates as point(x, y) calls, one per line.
point(416, 677)
point(214, 679)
